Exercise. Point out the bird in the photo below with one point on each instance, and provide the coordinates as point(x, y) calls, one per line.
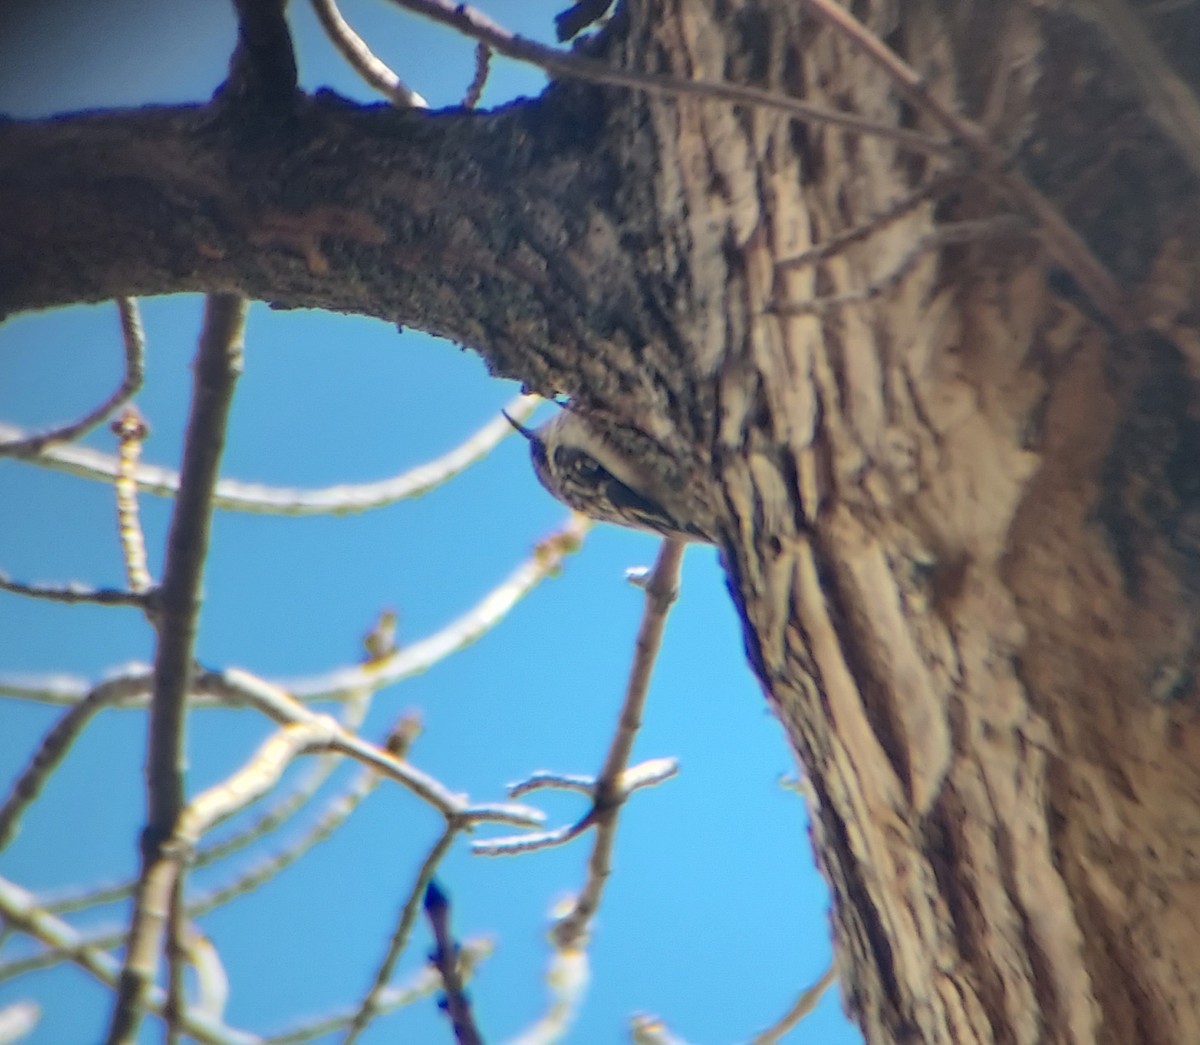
point(611, 473)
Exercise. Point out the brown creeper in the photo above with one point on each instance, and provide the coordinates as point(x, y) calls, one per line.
point(608, 474)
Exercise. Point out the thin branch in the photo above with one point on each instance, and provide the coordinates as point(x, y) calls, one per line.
point(615, 782)
point(238, 686)
point(134, 340)
point(413, 659)
point(363, 60)
point(73, 593)
point(544, 779)
point(645, 1029)
point(260, 773)
point(210, 689)
point(424, 983)
point(336, 811)
point(18, 1020)
point(517, 845)
point(445, 960)
point(483, 65)
point(131, 685)
point(131, 431)
point(800, 1008)
point(102, 942)
point(212, 982)
point(176, 955)
point(1167, 98)
point(217, 367)
point(372, 1003)
point(567, 977)
point(1063, 242)
point(611, 788)
point(257, 498)
point(478, 26)
point(19, 909)
point(661, 591)
point(838, 242)
point(46, 758)
point(1002, 225)
point(650, 773)
point(354, 711)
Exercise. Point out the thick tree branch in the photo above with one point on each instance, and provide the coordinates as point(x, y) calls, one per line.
point(475, 24)
point(174, 199)
point(960, 515)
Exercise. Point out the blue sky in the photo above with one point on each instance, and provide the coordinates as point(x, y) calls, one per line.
point(715, 917)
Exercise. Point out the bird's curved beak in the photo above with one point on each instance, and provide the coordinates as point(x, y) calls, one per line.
point(528, 433)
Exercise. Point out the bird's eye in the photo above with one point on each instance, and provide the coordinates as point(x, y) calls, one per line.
point(580, 466)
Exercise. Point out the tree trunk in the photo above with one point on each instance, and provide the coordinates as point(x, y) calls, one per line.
point(960, 501)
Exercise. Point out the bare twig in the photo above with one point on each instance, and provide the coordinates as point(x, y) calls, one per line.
point(131, 431)
point(483, 64)
point(237, 686)
point(516, 845)
point(645, 1029)
point(567, 977)
point(801, 1007)
point(212, 982)
point(19, 909)
point(839, 241)
point(661, 591)
point(336, 811)
point(1004, 225)
point(354, 712)
point(176, 955)
point(478, 26)
point(334, 814)
point(363, 60)
point(217, 367)
point(544, 780)
point(445, 960)
point(1063, 242)
point(650, 773)
point(413, 659)
point(611, 788)
point(261, 773)
point(131, 687)
point(75, 593)
point(423, 984)
point(134, 340)
point(1169, 101)
point(372, 1003)
point(46, 759)
point(18, 1020)
point(306, 732)
point(132, 684)
point(343, 499)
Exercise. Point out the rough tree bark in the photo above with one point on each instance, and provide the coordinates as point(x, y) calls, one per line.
point(961, 516)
